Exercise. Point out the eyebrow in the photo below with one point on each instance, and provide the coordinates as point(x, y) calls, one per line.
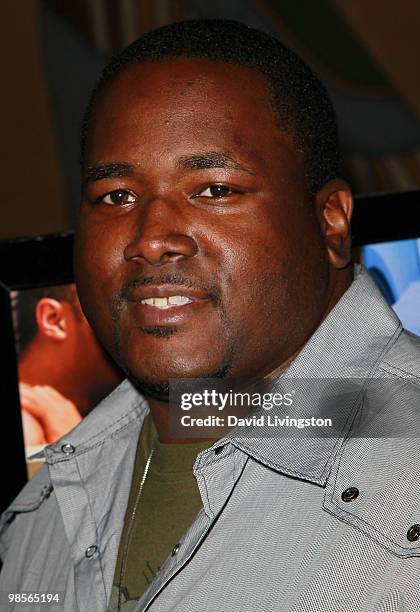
point(197, 161)
point(110, 170)
point(210, 159)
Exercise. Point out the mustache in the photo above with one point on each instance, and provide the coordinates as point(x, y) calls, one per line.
point(176, 279)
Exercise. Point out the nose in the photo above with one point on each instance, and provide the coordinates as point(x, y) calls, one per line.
point(160, 235)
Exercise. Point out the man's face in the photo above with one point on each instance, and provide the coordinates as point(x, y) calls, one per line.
point(198, 252)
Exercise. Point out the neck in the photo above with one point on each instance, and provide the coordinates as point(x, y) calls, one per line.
point(159, 410)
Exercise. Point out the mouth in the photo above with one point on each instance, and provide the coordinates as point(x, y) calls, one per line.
point(163, 304)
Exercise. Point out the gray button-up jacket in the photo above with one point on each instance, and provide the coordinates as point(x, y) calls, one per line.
point(288, 524)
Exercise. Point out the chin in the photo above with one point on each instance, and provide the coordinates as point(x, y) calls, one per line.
point(159, 386)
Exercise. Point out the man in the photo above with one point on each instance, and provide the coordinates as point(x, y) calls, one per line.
point(63, 370)
point(214, 242)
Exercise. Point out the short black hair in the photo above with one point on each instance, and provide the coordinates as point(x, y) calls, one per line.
point(300, 100)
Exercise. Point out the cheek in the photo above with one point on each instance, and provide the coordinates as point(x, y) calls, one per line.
point(253, 256)
point(248, 291)
point(268, 284)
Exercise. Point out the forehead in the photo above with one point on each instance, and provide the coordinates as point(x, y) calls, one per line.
point(186, 99)
point(192, 80)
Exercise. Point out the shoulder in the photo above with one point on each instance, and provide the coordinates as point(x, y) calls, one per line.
point(33, 544)
point(26, 504)
point(396, 389)
point(403, 357)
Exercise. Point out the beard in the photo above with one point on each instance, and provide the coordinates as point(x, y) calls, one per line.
point(160, 389)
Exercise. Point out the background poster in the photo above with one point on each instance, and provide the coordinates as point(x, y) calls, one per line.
point(63, 371)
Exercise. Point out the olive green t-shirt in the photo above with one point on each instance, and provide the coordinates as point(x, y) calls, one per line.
point(166, 507)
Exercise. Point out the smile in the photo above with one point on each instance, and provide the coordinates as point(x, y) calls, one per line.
point(164, 303)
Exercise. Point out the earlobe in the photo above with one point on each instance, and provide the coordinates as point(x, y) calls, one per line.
point(334, 204)
point(50, 318)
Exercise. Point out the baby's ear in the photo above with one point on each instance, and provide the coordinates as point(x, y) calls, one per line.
point(51, 318)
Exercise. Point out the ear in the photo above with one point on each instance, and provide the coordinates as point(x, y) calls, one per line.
point(334, 205)
point(51, 319)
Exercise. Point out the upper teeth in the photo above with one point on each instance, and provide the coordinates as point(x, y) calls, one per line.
point(166, 302)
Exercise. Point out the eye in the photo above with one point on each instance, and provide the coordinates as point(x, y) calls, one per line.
point(215, 191)
point(119, 197)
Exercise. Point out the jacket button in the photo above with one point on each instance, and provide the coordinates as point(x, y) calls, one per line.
point(45, 492)
point(349, 494)
point(413, 533)
point(68, 449)
point(89, 552)
point(175, 549)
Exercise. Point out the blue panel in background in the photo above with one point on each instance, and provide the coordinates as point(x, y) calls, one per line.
point(395, 266)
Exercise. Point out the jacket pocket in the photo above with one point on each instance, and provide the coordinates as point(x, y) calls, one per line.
point(374, 488)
